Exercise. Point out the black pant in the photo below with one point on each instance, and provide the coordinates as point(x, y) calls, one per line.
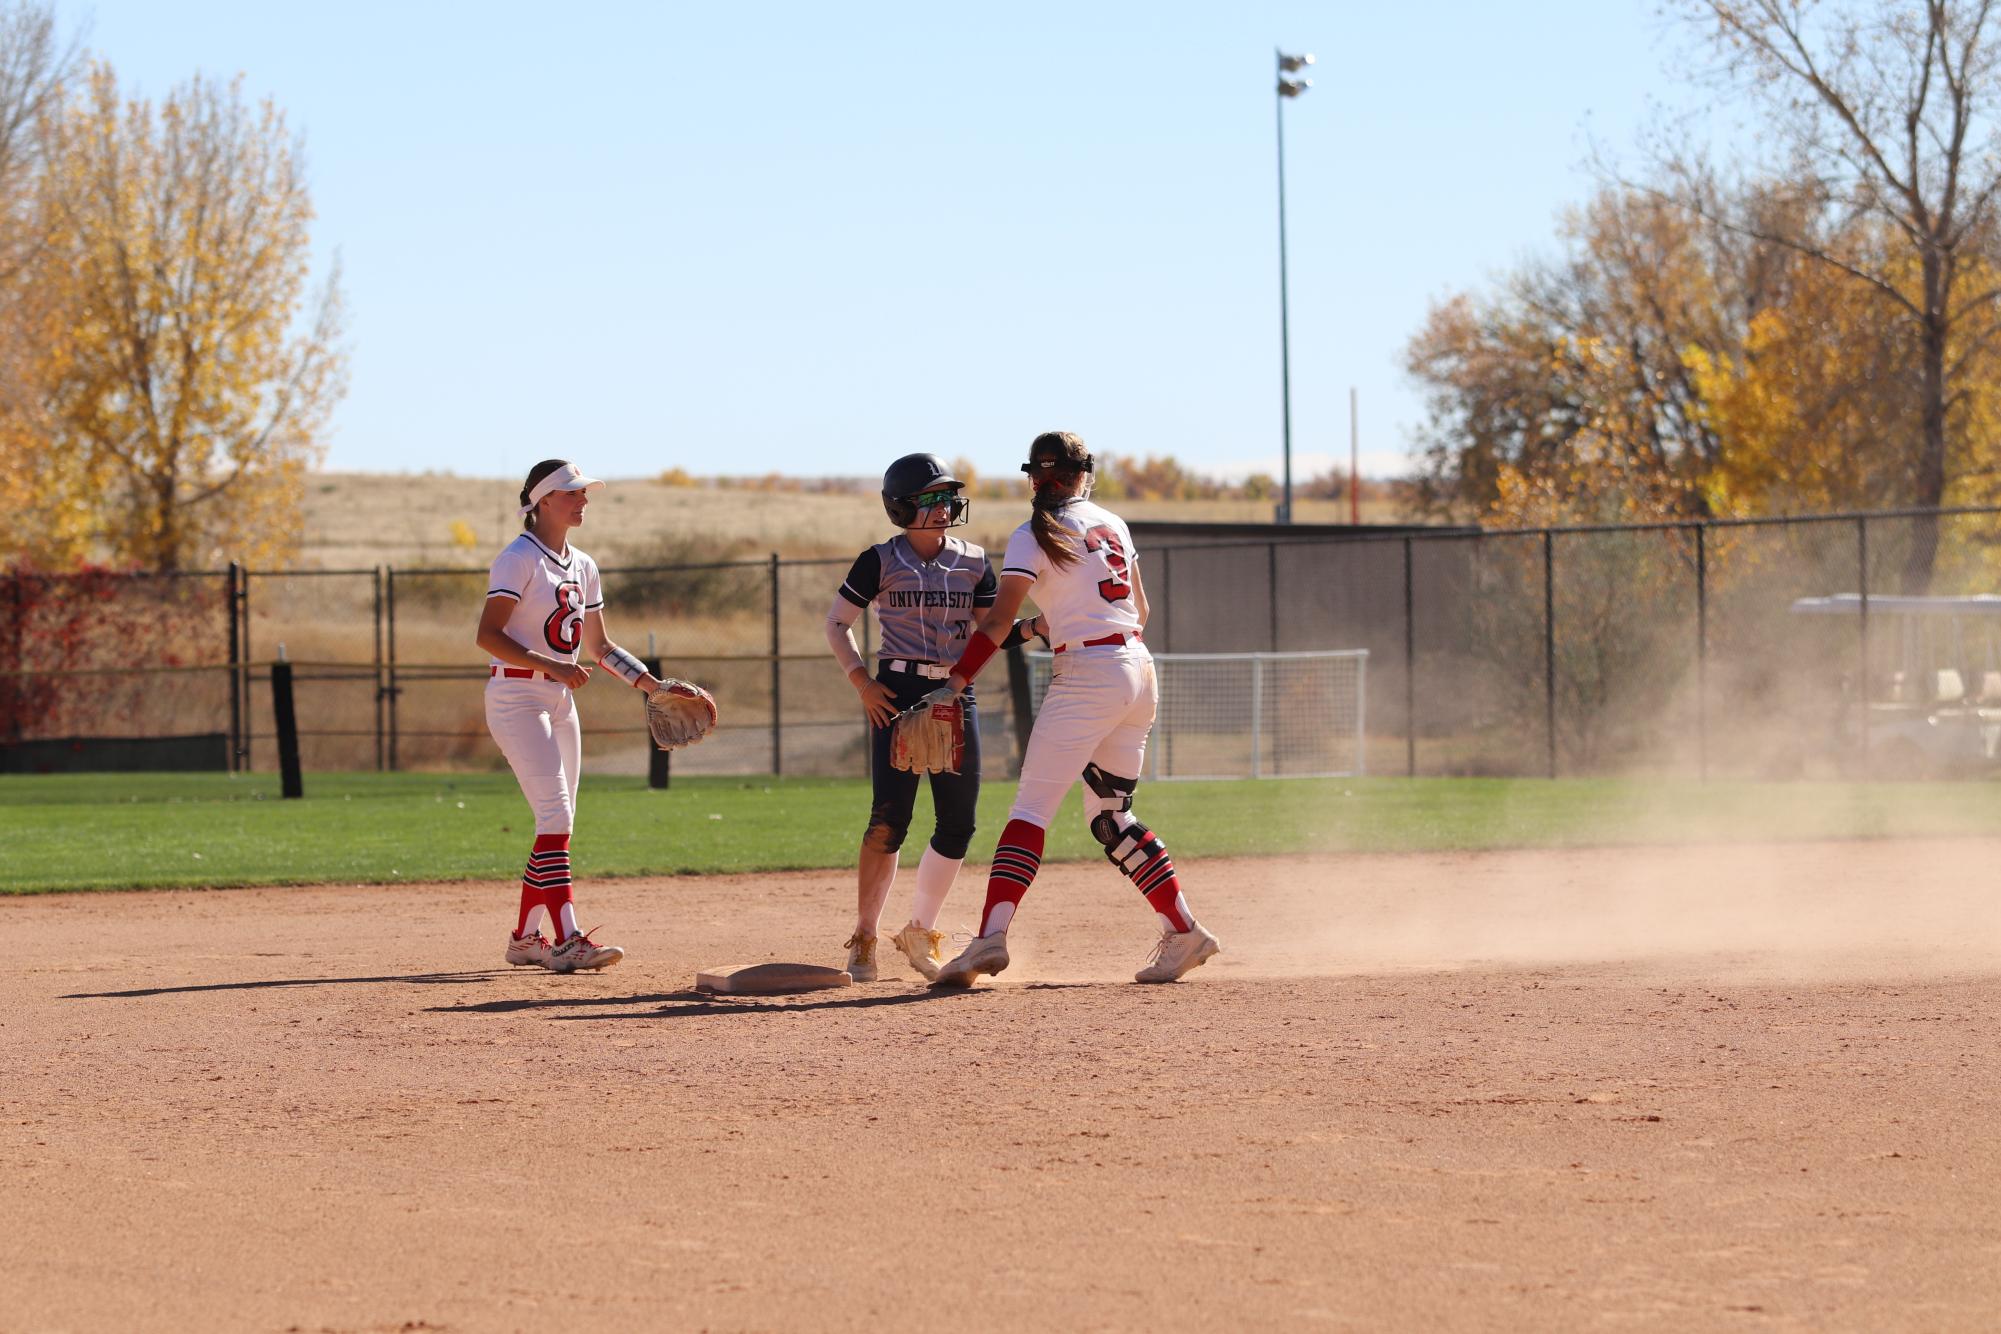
point(953, 796)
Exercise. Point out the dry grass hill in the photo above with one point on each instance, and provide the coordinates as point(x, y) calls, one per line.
point(360, 520)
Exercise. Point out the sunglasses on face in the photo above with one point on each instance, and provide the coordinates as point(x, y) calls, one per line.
point(926, 499)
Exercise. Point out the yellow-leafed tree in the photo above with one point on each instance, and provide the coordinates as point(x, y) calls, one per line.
point(194, 384)
point(38, 478)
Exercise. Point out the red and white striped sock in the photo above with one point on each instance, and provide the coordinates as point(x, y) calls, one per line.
point(1155, 877)
point(1165, 898)
point(532, 908)
point(548, 874)
point(1016, 861)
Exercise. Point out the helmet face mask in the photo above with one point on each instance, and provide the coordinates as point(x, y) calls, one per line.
point(919, 491)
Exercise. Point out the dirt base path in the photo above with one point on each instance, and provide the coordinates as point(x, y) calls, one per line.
point(1743, 1089)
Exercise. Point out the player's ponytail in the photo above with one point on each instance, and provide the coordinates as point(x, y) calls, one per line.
point(1054, 456)
point(535, 475)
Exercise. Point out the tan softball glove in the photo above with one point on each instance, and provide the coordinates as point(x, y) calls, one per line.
point(679, 713)
point(929, 737)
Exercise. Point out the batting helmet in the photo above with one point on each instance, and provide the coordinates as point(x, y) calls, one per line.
point(916, 482)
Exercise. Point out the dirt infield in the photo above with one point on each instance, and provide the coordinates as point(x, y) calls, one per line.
point(1736, 1089)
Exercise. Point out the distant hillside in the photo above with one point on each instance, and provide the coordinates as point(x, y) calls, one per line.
point(360, 520)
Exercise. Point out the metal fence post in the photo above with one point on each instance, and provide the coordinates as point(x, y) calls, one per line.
point(777, 683)
point(1862, 669)
point(235, 658)
point(1166, 597)
point(1702, 652)
point(659, 763)
point(1021, 699)
point(1271, 562)
point(381, 731)
point(249, 709)
point(285, 719)
point(390, 689)
point(1409, 663)
point(1549, 645)
point(1257, 713)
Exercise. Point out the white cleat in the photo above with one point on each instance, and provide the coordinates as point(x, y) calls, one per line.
point(529, 951)
point(986, 954)
point(861, 957)
point(1177, 953)
point(579, 952)
point(921, 948)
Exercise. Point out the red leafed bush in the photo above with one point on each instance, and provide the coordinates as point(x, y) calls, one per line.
point(82, 653)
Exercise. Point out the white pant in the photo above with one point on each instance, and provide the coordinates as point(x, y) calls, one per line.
point(1099, 709)
point(535, 722)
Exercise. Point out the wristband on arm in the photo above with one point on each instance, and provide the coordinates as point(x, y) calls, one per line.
point(1020, 633)
point(975, 657)
point(622, 665)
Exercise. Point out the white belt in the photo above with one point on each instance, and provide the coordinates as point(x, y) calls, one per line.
point(936, 671)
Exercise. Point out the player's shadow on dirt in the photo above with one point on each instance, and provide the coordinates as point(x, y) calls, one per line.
point(696, 1004)
point(415, 979)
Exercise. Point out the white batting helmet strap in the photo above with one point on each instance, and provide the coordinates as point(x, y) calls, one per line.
point(569, 477)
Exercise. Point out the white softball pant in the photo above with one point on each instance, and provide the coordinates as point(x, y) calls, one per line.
point(1099, 709)
point(535, 722)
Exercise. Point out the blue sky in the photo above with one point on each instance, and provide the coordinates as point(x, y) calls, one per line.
point(806, 239)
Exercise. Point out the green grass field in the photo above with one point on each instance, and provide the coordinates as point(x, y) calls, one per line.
point(115, 831)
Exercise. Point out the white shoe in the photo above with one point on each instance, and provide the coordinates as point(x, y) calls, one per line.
point(987, 954)
point(580, 951)
point(861, 957)
point(529, 951)
point(920, 946)
point(1177, 953)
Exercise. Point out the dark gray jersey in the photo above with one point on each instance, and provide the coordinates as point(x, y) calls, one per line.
point(926, 607)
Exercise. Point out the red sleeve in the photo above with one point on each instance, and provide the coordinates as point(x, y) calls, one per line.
point(975, 657)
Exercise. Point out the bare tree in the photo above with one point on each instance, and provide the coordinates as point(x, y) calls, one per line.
point(1884, 109)
point(34, 63)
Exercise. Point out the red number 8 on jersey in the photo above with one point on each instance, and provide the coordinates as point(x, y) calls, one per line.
point(1105, 540)
point(565, 627)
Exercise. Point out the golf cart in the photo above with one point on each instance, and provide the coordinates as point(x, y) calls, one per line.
point(1934, 682)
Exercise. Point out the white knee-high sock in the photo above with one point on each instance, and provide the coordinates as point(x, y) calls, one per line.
point(935, 874)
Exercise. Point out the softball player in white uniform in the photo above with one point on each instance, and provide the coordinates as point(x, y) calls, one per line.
point(545, 608)
point(1078, 558)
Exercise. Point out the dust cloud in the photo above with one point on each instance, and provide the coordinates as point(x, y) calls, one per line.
point(1860, 909)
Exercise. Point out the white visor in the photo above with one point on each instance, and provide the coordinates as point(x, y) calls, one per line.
point(566, 478)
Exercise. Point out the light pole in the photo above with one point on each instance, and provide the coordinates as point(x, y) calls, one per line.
point(1287, 87)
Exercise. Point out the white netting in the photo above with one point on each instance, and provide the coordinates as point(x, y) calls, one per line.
point(1251, 715)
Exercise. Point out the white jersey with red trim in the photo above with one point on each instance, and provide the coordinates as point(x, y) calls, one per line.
point(1091, 598)
point(551, 594)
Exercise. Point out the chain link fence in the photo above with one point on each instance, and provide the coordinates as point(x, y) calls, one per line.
point(1853, 644)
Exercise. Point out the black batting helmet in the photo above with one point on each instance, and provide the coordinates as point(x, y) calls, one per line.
point(915, 476)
